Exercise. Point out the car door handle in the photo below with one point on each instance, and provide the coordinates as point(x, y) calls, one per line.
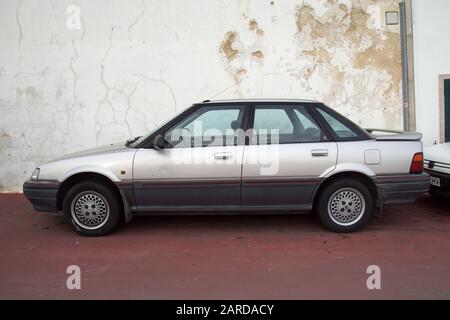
point(223, 155)
point(319, 153)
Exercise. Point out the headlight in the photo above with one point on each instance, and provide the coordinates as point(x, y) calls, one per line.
point(35, 174)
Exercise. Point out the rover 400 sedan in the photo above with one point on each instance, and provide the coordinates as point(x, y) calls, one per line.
point(237, 156)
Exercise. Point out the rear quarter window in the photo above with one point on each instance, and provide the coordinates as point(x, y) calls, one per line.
point(341, 130)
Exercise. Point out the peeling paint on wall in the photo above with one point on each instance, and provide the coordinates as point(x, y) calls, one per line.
point(255, 27)
point(341, 44)
point(239, 54)
point(227, 46)
point(258, 54)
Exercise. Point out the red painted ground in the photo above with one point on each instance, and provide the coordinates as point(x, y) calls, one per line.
point(250, 257)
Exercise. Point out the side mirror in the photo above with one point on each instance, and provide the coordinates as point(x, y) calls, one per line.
point(159, 142)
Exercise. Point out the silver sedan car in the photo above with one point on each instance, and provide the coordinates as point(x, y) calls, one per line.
point(237, 156)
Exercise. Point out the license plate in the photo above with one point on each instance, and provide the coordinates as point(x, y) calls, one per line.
point(436, 182)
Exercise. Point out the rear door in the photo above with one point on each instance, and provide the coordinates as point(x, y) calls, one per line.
point(287, 155)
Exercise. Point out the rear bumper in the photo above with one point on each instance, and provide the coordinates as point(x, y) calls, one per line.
point(42, 194)
point(403, 188)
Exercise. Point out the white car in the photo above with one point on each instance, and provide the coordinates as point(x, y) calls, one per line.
point(437, 165)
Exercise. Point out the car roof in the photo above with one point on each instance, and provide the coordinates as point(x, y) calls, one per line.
point(259, 101)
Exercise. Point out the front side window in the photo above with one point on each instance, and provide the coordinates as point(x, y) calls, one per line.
point(341, 130)
point(208, 126)
point(284, 124)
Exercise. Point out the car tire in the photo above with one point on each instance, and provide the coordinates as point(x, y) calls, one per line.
point(92, 208)
point(345, 206)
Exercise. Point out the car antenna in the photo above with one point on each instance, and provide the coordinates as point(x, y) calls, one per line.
point(230, 86)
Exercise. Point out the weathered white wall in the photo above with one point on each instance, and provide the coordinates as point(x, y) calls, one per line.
point(133, 64)
point(431, 58)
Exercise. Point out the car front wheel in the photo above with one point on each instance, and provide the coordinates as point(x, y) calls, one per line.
point(345, 206)
point(92, 208)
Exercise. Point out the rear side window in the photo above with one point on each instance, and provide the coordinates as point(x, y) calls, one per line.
point(341, 130)
point(273, 119)
point(284, 124)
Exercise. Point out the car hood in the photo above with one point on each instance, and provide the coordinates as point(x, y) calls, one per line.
point(438, 153)
point(94, 151)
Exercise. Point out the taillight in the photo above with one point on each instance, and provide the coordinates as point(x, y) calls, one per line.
point(417, 164)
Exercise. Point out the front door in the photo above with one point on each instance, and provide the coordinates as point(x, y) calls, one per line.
point(284, 168)
point(198, 168)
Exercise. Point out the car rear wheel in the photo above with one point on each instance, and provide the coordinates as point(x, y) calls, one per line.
point(345, 205)
point(92, 208)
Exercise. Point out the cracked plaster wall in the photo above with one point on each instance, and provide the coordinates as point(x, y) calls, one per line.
point(133, 64)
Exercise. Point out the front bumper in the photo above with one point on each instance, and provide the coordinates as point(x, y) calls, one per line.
point(444, 189)
point(42, 194)
point(402, 188)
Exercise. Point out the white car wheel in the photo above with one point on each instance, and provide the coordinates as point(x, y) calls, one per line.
point(90, 210)
point(346, 206)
